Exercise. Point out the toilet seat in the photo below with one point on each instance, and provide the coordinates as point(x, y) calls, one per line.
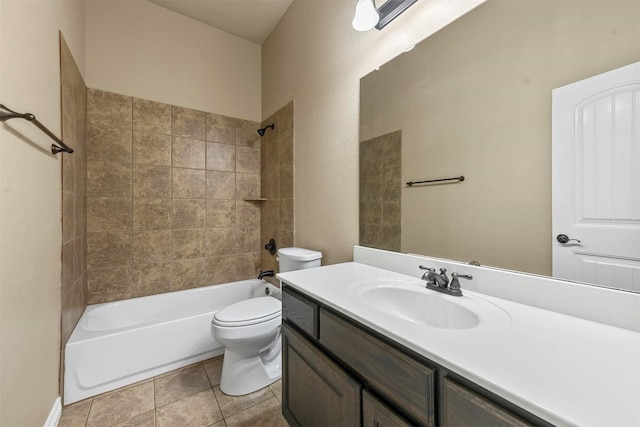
point(248, 312)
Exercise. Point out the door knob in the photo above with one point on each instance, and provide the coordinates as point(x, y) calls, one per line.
point(563, 238)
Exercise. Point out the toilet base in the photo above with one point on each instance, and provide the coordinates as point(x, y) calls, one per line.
point(244, 373)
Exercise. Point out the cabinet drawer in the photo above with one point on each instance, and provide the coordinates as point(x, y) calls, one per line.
point(398, 378)
point(316, 391)
point(377, 414)
point(300, 311)
point(463, 407)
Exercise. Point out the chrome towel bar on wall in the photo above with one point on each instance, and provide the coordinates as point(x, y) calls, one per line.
point(7, 114)
point(428, 181)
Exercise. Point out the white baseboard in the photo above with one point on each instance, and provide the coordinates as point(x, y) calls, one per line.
point(54, 415)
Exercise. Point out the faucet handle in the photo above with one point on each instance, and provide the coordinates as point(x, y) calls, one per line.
point(455, 284)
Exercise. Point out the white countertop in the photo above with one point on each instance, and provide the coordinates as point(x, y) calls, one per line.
point(566, 370)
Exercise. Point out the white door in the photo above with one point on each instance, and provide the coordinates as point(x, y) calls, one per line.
point(596, 179)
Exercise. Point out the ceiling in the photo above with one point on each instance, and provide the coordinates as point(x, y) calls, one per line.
point(252, 20)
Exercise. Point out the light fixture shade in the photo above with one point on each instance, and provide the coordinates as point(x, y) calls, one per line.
point(366, 16)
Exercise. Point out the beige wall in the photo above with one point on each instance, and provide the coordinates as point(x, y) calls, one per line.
point(475, 100)
point(140, 49)
point(315, 57)
point(30, 205)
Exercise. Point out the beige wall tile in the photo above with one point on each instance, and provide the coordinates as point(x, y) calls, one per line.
point(151, 278)
point(188, 123)
point(106, 179)
point(167, 189)
point(108, 144)
point(221, 129)
point(188, 244)
point(247, 186)
point(187, 274)
point(248, 160)
point(108, 249)
point(220, 269)
point(150, 116)
point(221, 213)
point(151, 214)
point(109, 109)
point(285, 149)
point(221, 157)
point(188, 153)
point(187, 183)
point(67, 265)
point(187, 213)
point(247, 133)
point(108, 284)
point(221, 185)
point(286, 214)
point(286, 238)
point(80, 216)
point(150, 246)
point(221, 241)
point(108, 214)
point(247, 239)
point(247, 266)
point(151, 181)
point(151, 149)
point(285, 184)
point(68, 217)
point(247, 213)
point(270, 214)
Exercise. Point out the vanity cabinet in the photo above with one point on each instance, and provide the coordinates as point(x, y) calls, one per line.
point(338, 372)
point(318, 392)
point(462, 407)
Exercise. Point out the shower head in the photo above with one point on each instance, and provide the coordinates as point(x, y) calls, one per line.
point(264, 129)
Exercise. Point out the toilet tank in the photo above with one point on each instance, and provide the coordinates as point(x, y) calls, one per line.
point(298, 258)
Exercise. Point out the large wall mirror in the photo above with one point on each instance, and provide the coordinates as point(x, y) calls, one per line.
point(475, 99)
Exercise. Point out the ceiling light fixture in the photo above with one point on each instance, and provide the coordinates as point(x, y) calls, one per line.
point(367, 16)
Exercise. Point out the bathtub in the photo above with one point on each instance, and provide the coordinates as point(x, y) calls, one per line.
point(118, 343)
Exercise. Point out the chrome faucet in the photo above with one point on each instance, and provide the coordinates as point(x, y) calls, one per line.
point(263, 274)
point(440, 282)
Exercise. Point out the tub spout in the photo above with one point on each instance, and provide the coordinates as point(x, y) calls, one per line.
point(268, 273)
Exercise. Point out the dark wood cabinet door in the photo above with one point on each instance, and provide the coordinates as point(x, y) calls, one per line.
point(316, 391)
point(402, 381)
point(463, 407)
point(377, 414)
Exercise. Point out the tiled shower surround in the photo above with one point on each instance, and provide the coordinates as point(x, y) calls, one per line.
point(277, 183)
point(166, 190)
point(380, 191)
point(74, 269)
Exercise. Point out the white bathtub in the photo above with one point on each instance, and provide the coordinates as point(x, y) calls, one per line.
point(118, 343)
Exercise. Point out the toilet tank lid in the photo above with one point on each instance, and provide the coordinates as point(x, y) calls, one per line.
point(300, 254)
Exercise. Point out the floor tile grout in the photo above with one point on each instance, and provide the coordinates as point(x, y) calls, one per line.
point(267, 395)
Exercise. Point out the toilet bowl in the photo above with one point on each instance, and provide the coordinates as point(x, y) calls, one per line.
point(249, 330)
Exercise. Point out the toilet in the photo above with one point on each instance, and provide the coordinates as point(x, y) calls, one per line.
point(249, 330)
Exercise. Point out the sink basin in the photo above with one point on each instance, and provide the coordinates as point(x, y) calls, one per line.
point(409, 300)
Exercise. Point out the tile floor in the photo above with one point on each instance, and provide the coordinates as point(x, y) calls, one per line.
point(188, 396)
